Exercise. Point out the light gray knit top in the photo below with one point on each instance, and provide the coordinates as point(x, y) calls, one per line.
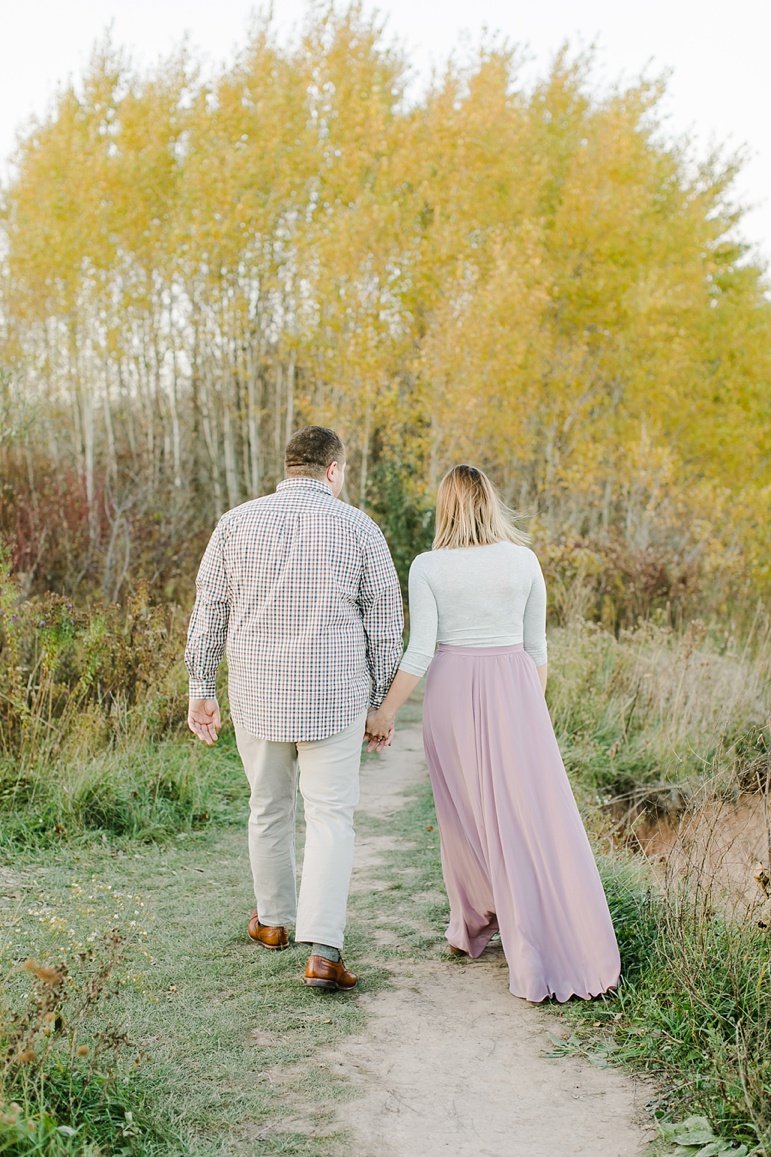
point(478, 596)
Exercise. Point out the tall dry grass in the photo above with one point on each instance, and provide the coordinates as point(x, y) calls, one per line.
point(650, 718)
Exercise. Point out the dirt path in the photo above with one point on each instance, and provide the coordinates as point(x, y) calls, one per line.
point(452, 1063)
point(240, 1053)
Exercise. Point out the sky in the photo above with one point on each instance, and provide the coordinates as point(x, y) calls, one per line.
point(717, 53)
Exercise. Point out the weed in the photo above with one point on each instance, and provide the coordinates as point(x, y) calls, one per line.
point(66, 1072)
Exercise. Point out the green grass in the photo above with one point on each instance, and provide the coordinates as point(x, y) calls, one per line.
point(146, 792)
point(693, 1008)
point(231, 1042)
point(232, 1045)
point(140, 789)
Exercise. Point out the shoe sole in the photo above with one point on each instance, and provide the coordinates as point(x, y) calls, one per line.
point(330, 984)
point(270, 947)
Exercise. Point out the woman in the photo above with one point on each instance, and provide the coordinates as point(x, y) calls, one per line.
point(515, 856)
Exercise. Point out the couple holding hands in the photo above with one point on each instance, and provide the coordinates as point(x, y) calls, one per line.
point(301, 590)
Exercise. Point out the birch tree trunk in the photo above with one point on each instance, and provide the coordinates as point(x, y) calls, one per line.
point(212, 443)
point(175, 434)
point(89, 440)
point(231, 463)
point(290, 398)
point(277, 447)
point(112, 457)
point(364, 470)
point(253, 427)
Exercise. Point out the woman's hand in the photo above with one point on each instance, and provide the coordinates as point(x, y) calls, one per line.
point(380, 721)
point(379, 729)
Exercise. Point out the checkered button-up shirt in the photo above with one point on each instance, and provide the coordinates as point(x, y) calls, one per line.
point(301, 589)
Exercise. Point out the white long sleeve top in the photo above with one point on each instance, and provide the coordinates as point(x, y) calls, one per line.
point(477, 596)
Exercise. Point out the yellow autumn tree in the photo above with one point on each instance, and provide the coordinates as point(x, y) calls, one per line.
point(534, 278)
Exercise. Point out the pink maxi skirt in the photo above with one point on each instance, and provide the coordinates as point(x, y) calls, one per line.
point(515, 856)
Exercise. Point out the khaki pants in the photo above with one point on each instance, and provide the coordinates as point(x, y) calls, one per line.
point(329, 782)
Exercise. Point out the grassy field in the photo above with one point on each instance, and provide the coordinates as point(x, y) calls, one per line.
point(162, 1030)
point(211, 1018)
point(222, 1042)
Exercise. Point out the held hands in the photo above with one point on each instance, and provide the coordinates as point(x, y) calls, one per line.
point(379, 729)
point(203, 719)
point(380, 721)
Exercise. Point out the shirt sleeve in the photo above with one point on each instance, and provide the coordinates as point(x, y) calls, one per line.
point(424, 623)
point(208, 628)
point(380, 603)
point(534, 618)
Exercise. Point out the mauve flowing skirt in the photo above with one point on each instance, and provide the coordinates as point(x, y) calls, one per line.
point(515, 856)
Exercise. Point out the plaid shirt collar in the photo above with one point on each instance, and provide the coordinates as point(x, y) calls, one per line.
point(305, 484)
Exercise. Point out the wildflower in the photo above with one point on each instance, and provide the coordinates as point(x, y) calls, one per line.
point(25, 1057)
point(82, 1050)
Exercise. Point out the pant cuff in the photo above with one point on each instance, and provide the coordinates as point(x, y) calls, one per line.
point(331, 939)
point(271, 921)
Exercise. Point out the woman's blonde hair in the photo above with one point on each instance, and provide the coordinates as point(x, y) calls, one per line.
point(469, 512)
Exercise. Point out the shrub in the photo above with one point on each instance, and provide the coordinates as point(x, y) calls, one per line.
point(610, 582)
point(90, 719)
point(74, 675)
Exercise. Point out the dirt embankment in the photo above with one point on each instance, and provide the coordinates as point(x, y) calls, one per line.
point(724, 846)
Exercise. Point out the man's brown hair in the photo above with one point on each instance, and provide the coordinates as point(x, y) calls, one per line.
point(311, 451)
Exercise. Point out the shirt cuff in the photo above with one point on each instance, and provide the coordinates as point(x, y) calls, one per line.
point(376, 697)
point(202, 689)
point(415, 663)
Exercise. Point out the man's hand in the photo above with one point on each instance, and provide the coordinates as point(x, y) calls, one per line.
point(379, 730)
point(203, 719)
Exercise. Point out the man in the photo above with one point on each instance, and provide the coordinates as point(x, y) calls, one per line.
point(302, 589)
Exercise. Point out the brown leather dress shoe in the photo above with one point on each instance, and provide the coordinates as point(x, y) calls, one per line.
point(457, 951)
point(273, 938)
point(323, 973)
